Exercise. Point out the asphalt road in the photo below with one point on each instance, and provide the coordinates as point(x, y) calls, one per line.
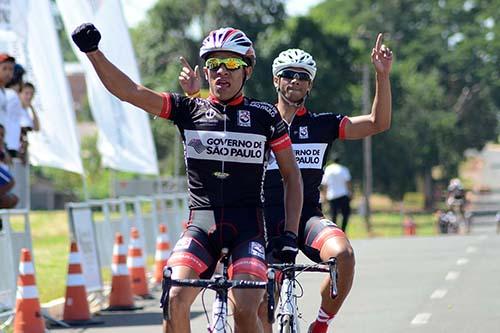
point(447, 283)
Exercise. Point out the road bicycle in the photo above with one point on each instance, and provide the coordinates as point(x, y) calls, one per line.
point(220, 283)
point(287, 310)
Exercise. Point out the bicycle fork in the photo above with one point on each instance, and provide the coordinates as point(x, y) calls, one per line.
point(287, 314)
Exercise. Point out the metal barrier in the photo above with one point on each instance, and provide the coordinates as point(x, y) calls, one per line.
point(94, 224)
point(11, 242)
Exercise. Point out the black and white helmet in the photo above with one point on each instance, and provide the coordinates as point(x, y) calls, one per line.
point(294, 58)
point(228, 39)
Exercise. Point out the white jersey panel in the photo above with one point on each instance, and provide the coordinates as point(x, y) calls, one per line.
point(308, 155)
point(225, 146)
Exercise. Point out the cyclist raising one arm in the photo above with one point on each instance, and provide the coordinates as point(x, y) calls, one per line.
point(293, 74)
point(227, 138)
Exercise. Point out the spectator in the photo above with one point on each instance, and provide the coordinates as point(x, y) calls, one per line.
point(337, 180)
point(14, 112)
point(6, 73)
point(7, 199)
point(28, 122)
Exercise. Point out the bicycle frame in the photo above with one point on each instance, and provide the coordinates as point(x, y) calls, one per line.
point(221, 285)
point(288, 312)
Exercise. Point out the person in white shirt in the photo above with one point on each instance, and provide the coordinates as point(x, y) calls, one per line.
point(29, 121)
point(7, 63)
point(15, 113)
point(337, 181)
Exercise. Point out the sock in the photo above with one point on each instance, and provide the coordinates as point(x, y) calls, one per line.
point(322, 321)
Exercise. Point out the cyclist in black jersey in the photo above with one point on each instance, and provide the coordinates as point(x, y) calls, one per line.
point(227, 139)
point(312, 135)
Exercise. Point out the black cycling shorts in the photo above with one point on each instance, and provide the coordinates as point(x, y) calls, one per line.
point(314, 229)
point(241, 230)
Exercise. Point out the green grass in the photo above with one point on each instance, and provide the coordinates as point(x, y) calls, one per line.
point(51, 243)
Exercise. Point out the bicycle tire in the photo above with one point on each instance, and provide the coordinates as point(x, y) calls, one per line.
point(286, 324)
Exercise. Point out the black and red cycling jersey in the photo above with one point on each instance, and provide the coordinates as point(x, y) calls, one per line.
point(226, 147)
point(312, 135)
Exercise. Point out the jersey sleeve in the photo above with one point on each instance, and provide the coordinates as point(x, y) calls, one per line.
point(279, 138)
point(336, 124)
point(175, 107)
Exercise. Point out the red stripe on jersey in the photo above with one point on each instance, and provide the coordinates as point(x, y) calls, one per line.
point(235, 101)
point(300, 112)
point(342, 124)
point(281, 143)
point(166, 107)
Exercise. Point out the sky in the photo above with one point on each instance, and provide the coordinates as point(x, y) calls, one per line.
point(135, 10)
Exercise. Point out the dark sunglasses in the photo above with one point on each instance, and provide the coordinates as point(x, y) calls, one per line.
point(289, 74)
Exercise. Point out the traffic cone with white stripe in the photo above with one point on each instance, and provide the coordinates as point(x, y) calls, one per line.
point(121, 297)
point(135, 264)
point(76, 306)
point(28, 314)
point(163, 251)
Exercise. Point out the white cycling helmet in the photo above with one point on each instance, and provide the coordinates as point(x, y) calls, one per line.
point(294, 58)
point(228, 39)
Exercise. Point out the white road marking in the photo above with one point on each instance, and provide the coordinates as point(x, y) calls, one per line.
point(421, 319)
point(452, 276)
point(462, 261)
point(439, 293)
point(471, 249)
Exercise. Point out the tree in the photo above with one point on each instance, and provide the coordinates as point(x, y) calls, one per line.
point(175, 28)
point(443, 52)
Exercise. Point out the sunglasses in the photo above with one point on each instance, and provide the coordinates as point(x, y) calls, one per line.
point(230, 63)
point(289, 74)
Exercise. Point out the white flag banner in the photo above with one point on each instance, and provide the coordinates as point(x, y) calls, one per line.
point(125, 139)
point(31, 38)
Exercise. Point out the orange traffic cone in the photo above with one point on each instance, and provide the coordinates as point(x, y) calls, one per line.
point(76, 306)
point(163, 251)
point(28, 314)
point(135, 264)
point(121, 297)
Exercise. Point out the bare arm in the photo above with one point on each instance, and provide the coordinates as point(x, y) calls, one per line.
point(292, 183)
point(36, 121)
point(379, 119)
point(123, 87)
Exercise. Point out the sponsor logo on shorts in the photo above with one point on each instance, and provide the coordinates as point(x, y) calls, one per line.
point(183, 243)
point(256, 249)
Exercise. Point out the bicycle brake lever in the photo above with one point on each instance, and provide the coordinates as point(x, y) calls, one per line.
point(166, 284)
point(332, 263)
point(271, 276)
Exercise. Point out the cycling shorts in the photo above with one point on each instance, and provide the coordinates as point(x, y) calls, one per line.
point(314, 229)
point(241, 230)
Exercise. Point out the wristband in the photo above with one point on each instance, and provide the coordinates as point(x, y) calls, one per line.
point(195, 95)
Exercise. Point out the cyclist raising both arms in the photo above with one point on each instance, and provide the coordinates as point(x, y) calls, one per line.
point(227, 138)
point(312, 135)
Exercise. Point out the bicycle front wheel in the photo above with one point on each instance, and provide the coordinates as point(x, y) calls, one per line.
point(287, 325)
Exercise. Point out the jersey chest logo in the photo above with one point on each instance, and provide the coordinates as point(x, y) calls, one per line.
point(210, 114)
point(244, 118)
point(303, 132)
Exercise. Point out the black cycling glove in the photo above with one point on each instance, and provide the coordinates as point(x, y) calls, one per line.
point(86, 37)
point(284, 247)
